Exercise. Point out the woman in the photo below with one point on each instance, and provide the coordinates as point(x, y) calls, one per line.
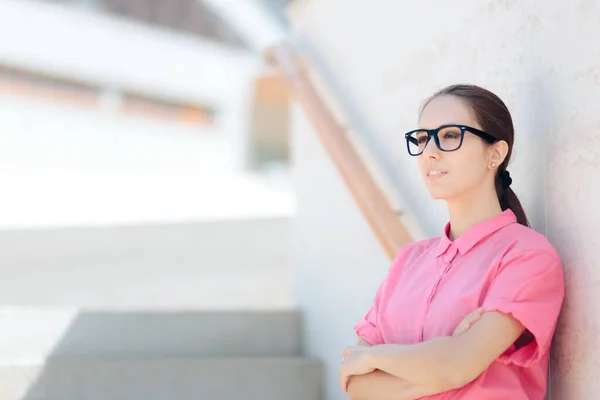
point(488, 269)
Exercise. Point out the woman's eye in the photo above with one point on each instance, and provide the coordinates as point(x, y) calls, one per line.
point(422, 139)
point(451, 135)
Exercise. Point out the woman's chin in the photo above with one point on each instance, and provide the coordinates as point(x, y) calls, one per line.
point(439, 194)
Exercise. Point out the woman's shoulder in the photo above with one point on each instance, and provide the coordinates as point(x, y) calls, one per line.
point(524, 239)
point(420, 246)
point(410, 252)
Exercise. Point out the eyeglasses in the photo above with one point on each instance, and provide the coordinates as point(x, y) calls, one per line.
point(446, 137)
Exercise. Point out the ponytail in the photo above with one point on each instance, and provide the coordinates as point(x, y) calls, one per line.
point(508, 198)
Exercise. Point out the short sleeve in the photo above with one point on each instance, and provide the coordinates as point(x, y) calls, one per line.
point(368, 326)
point(530, 287)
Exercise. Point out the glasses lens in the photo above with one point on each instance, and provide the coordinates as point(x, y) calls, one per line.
point(417, 141)
point(450, 138)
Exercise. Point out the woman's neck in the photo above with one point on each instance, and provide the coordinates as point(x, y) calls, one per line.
point(468, 212)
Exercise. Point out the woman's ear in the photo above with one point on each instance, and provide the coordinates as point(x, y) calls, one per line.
point(498, 152)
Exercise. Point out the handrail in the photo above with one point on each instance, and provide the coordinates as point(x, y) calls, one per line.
point(377, 210)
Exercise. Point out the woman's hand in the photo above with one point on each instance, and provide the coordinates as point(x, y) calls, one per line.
point(354, 362)
point(469, 320)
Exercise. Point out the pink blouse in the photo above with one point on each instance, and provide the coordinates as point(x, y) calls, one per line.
point(499, 265)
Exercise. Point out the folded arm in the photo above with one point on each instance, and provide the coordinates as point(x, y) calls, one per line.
point(447, 363)
point(379, 385)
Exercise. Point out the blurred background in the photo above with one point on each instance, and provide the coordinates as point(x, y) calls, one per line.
point(146, 207)
point(136, 111)
point(200, 197)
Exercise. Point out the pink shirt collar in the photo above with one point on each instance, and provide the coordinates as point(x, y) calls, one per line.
point(475, 234)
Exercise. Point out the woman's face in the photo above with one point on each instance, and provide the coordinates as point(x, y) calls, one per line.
point(449, 175)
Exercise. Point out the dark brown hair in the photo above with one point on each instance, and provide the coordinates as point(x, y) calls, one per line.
point(493, 116)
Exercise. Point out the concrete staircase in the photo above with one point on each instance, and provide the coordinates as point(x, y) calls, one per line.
point(155, 312)
point(219, 355)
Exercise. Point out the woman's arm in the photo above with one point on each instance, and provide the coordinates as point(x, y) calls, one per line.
point(443, 363)
point(379, 385)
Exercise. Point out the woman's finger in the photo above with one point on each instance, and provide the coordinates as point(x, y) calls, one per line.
point(469, 320)
point(343, 380)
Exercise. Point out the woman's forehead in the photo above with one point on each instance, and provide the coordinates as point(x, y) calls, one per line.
point(444, 110)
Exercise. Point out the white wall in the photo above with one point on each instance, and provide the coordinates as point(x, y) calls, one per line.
point(384, 58)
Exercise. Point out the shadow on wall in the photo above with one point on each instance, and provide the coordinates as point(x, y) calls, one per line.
point(168, 355)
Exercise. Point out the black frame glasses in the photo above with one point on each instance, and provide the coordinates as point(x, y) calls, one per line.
point(411, 140)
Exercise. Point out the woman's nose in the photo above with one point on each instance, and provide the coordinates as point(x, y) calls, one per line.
point(431, 149)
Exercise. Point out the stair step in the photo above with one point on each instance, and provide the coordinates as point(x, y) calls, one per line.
point(166, 379)
point(39, 334)
point(205, 264)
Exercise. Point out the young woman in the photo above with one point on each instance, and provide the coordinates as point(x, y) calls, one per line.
point(488, 269)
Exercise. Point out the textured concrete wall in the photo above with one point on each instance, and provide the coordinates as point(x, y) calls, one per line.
point(383, 59)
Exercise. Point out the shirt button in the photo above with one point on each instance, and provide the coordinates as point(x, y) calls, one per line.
point(450, 254)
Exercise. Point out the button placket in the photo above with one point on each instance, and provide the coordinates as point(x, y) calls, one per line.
point(447, 259)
